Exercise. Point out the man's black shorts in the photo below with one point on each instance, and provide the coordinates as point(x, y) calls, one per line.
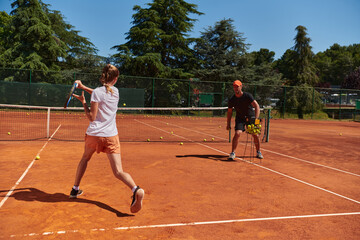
point(241, 123)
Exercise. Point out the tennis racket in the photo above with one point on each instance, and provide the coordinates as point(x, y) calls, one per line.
point(68, 99)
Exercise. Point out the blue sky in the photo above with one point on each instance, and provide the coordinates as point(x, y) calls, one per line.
point(264, 23)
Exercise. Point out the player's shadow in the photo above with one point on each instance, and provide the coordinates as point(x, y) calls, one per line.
point(208, 156)
point(34, 194)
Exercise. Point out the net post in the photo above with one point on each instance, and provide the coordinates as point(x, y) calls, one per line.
point(48, 123)
point(268, 125)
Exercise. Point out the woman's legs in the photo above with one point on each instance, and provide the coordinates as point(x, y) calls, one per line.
point(83, 165)
point(138, 193)
point(116, 166)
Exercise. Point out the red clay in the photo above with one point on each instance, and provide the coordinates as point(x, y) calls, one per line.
point(190, 183)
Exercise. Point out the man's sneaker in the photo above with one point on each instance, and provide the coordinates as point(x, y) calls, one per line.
point(259, 155)
point(75, 193)
point(232, 156)
point(137, 198)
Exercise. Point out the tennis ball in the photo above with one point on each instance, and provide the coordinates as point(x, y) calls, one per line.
point(37, 157)
point(172, 132)
point(124, 104)
point(181, 143)
point(212, 139)
point(340, 134)
point(9, 133)
point(161, 137)
point(204, 139)
point(148, 140)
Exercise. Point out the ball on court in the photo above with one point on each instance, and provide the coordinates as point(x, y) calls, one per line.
point(340, 134)
point(181, 143)
point(9, 133)
point(161, 137)
point(124, 104)
point(148, 140)
point(212, 139)
point(37, 157)
point(172, 132)
point(204, 139)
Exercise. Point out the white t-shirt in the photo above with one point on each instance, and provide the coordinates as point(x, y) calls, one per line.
point(105, 123)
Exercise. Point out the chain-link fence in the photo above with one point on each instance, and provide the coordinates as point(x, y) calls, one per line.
point(28, 87)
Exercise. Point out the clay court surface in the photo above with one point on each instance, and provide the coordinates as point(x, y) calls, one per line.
point(307, 187)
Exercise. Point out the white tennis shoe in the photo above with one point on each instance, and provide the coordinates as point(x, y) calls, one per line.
point(232, 156)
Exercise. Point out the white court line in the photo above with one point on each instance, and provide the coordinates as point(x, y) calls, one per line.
point(271, 170)
point(281, 154)
point(26, 171)
point(192, 224)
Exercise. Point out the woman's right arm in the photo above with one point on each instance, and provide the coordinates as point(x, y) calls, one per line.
point(83, 87)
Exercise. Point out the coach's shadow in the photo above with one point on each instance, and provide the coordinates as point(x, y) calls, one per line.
point(208, 156)
point(34, 194)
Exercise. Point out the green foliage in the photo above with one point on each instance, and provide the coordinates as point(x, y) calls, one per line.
point(220, 52)
point(157, 42)
point(35, 37)
point(352, 81)
point(32, 37)
point(304, 99)
point(337, 62)
point(5, 31)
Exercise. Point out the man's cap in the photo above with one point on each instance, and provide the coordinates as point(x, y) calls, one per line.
point(237, 83)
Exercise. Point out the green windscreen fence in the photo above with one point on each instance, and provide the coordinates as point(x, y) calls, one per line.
point(54, 95)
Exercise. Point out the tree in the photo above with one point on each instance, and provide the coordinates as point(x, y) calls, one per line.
point(337, 62)
point(304, 69)
point(352, 81)
point(157, 43)
point(158, 46)
point(5, 31)
point(301, 75)
point(263, 56)
point(80, 51)
point(221, 54)
point(34, 45)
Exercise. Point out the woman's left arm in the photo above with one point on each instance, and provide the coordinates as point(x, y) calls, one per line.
point(90, 113)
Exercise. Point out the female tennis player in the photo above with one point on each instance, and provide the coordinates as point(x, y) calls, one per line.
point(102, 134)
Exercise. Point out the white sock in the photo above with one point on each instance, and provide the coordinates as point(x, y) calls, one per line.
point(76, 187)
point(133, 189)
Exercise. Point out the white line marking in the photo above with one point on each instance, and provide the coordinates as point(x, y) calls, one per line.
point(237, 220)
point(271, 170)
point(318, 164)
point(281, 154)
point(198, 223)
point(26, 171)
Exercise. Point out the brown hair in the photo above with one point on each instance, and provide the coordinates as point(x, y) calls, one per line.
point(109, 73)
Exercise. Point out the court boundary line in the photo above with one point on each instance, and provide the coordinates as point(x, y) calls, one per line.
point(27, 169)
point(258, 165)
point(281, 154)
point(190, 224)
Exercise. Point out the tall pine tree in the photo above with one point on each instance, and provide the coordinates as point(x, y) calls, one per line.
point(35, 46)
point(158, 43)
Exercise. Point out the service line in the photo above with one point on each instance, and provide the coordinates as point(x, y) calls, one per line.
point(277, 153)
point(258, 165)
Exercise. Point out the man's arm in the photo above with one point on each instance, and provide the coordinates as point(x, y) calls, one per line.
point(228, 120)
point(257, 109)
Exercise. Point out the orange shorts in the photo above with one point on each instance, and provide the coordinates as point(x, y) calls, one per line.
point(103, 144)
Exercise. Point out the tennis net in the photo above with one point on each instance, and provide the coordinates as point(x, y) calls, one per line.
point(19, 123)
